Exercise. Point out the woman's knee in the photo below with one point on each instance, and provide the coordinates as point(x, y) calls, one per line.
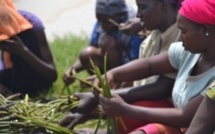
point(88, 52)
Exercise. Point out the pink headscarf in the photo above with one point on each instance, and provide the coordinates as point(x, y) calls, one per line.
point(199, 11)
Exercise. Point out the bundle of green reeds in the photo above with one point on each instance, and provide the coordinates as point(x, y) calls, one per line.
point(105, 91)
point(111, 122)
point(23, 116)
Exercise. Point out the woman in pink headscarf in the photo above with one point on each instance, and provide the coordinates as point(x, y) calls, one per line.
point(203, 13)
point(194, 61)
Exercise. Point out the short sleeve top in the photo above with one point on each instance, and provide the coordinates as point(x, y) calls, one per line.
point(187, 86)
point(33, 19)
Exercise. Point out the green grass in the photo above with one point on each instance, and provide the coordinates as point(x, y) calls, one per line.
point(65, 52)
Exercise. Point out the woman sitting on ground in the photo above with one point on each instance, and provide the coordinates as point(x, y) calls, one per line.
point(106, 38)
point(193, 59)
point(28, 66)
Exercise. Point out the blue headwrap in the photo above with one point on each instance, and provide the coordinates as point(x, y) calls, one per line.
point(110, 7)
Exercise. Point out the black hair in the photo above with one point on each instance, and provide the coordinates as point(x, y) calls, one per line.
point(175, 6)
point(123, 17)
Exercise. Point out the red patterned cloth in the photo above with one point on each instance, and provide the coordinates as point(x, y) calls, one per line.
point(199, 11)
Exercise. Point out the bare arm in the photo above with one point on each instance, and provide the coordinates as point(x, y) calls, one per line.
point(133, 26)
point(46, 66)
point(170, 116)
point(43, 64)
point(142, 68)
point(72, 70)
point(160, 89)
point(204, 120)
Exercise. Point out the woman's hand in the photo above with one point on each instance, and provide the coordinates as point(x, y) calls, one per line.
point(88, 102)
point(114, 106)
point(67, 78)
point(133, 26)
point(13, 45)
point(71, 120)
point(109, 78)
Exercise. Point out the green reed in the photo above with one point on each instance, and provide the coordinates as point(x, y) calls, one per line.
point(25, 116)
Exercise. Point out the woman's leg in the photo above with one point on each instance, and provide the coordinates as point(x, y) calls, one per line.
point(107, 45)
point(132, 124)
point(93, 53)
point(110, 46)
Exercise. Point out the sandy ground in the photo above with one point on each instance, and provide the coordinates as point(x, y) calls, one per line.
point(61, 17)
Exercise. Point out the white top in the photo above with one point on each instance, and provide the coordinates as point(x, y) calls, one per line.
point(186, 86)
